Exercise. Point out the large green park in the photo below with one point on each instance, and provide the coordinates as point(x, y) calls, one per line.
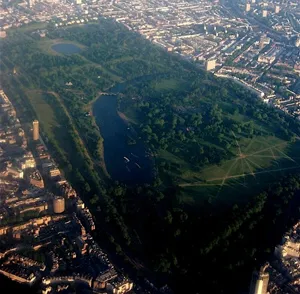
point(226, 165)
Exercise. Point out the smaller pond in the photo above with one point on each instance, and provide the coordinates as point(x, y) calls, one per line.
point(66, 48)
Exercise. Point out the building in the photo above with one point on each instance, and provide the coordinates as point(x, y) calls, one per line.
point(120, 285)
point(53, 172)
point(103, 278)
point(36, 179)
point(41, 206)
point(19, 275)
point(297, 42)
point(2, 34)
point(266, 59)
point(260, 280)
point(27, 163)
point(58, 204)
point(36, 132)
point(210, 64)
point(30, 3)
point(248, 7)
point(16, 173)
point(263, 41)
point(264, 13)
point(277, 9)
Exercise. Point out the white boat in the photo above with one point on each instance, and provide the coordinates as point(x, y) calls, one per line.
point(127, 160)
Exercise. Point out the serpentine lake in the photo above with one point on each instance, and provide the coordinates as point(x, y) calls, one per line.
point(127, 163)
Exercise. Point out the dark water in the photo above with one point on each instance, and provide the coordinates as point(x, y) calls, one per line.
point(66, 48)
point(138, 167)
point(8, 286)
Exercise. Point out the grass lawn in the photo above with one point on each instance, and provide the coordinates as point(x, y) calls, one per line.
point(167, 84)
point(28, 28)
point(44, 112)
point(50, 120)
point(256, 164)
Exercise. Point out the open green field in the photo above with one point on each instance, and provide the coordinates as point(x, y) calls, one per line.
point(257, 163)
point(45, 113)
point(52, 120)
point(168, 84)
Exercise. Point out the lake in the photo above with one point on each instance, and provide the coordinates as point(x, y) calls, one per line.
point(130, 164)
point(66, 48)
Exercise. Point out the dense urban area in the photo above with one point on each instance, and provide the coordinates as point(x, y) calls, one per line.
point(46, 227)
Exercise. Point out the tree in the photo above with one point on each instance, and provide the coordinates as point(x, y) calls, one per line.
point(94, 200)
point(169, 217)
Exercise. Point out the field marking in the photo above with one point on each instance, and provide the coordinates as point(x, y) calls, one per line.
point(254, 163)
point(250, 169)
point(247, 162)
point(229, 170)
point(198, 184)
point(267, 156)
point(262, 150)
point(272, 153)
point(260, 167)
point(286, 156)
point(243, 167)
point(250, 144)
point(238, 176)
point(214, 166)
point(235, 177)
point(237, 144)
point(225, 178)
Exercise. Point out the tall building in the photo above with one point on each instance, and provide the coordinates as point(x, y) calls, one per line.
point(264, 13)
point(248, 7)
point(260, 280)
point(58, 204)
point(30, 3)
point(210, 64)
point(35, 131)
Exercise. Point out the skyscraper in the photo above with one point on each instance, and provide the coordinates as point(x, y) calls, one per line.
point(35, 131)
point(260, 280)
